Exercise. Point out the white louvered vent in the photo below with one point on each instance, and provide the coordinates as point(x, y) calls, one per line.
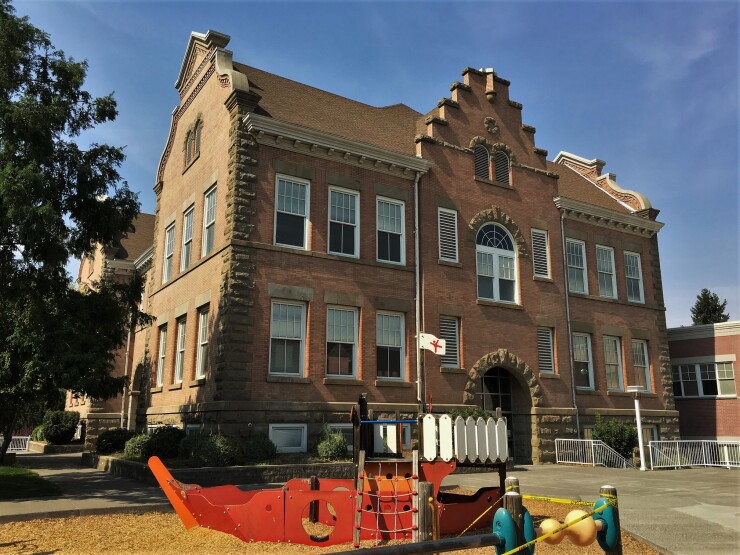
point(448, 330)
point(540, 256)
point(544, 350)
point(501, 161)
point(447, 220)
point(482, 164)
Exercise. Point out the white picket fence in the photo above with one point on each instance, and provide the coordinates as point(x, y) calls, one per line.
point(19, 444)
point(465, 440)
point(675, 454)
point(589, 452)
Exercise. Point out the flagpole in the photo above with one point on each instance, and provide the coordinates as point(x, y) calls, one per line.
point(417, 272)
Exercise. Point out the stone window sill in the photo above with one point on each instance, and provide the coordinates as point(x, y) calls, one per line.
point(499, 304)
point(391, 383)
point(444, 370)
point(542, 279)
point(157, 389)
point(342, 381)
point(549, 376)
point(288, 379)
point(174, 386)
point(618, 394)
point(587, 392)
point(491, 182)
point(449, 263)
point(196, 383)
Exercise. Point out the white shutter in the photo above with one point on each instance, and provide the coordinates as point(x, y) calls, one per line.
point(448, 330)
point(447, 220)
point(540, 254)
point(544, 350)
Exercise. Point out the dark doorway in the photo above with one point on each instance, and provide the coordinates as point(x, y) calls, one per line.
point(495, 391)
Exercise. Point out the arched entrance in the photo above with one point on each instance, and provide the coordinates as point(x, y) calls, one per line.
point(495, 392)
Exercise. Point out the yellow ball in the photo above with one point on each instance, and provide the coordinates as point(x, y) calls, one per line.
point(582, 533)
point(547, 526)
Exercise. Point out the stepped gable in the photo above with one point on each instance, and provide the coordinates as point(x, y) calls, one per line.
point(132, 245)
point(391, 127)
point(574, 186)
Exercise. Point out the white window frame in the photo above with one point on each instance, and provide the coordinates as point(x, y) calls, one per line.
point(209, 224)
point(306, 216)
point(538, 245)
point(545, 341)
point(612, 277)
point(169, 252)
point(354, 343)
point(302, 354)
point(452, 342)
point(640, 346)
point(402, 205)
point(496, 255)
point(638, 278)
point(162, 354)
point(180, 350)
point(201, 358)
point(583, 269)
point(272, 428)
point(447, 244)
point(695, 369)
point(186, 252)
point(402, 354)
point(590, 361)
point(617, 343)
point(356, 197)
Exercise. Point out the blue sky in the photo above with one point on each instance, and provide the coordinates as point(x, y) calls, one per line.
point(649, 87)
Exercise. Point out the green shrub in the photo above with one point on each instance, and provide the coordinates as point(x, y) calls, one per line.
point(60, 426)
point(212, 450)
point(475, 412)
point(617, 434)
point(333, 446)
point(111, 441)
point(166, 441)
point(138, 447)
point(38, 433)
point(258, 447)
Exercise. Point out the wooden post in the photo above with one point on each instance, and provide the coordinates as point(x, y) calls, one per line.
point(359, 488)
point(610, 493)
point(313, 508)
point(426, 491)
point(513, 504)
point(512, 484)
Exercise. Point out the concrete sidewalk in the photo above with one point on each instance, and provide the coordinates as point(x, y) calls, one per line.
point(677, 511)
point(85, 491)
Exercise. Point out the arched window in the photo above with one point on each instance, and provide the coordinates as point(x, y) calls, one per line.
point(196, 140)
point(482, 162)
point(188, 148)
point(501, 163)
point(496, 264)
point(192, 143)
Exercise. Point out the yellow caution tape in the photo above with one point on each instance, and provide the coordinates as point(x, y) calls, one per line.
point(560, 500)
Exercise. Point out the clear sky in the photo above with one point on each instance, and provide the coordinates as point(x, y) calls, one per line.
point(649, 87)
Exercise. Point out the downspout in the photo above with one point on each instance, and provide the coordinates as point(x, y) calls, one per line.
point(567, 320)
point(125, 374)
point(417, 277)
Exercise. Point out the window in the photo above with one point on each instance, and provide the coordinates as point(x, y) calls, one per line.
point(584, 372)
point(180, 354)
point(201, 359)
point(613, 363)
point(162, 356)
point(633, 271)
point(545, 350)
point(390, 346)
point(501, 163)
point(496, 261)
point(169, 249)
point(482, 162)
point(192, 144)
point(291, 212)
point(715, 379)
point(642, 364)
point(605, 267)
point(447, 225)
point(287, 338)
point(341, 342)
point(540, 253)
point(187, 239)
point(449, 330)
point(576, 256)
point(209, 221)
point(346, 430)
point(390, 231)
point(344, 222)
point(288, 438)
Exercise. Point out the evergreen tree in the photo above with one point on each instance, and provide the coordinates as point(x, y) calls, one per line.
point(57, 200)
point(708, 309)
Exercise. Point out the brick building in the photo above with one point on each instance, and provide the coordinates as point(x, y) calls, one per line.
point(294, 228)
point(703, 359)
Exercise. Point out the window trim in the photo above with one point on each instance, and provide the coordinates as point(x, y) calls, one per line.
point(208, 224)
point(169, 253)
point(592, 385)
point(355, 342)
point(497, 253)
point(180, 343)
point(613, 274)
point(201, 357)
point(620, 362)
point(302, 355)
point(450, 341)
point(304, 433)
point(583, 269)
point(403, 372)
point(696, 372)
point(356, 196)
point(546, 237)
point(161, 355)
point(402, 204)
point(187, 242)
point(639, 279)
point(306, 216)
point(454, 239)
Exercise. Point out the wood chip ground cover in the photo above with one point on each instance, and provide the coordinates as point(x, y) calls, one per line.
point(164, 534)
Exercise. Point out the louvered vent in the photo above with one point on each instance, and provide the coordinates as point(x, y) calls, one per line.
point(544, 350)
point(447, 235)
point(482, 164)
point(448, 331)
point(501, 161)
point(539, 253)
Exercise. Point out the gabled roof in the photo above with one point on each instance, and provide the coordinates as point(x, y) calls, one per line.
point(575, 186)
point(132, 245)
point(390, 127)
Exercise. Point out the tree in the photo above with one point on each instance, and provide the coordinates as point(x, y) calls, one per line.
point(57, 200)
point(708, 309)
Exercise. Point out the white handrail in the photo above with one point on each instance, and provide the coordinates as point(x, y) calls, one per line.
point(709, 453)
point(589, 452)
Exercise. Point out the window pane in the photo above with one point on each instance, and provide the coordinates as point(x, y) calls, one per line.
point(291, 197)
point(287, 438)
point(677, 389)
point(634, 277)
point(342, 207)
point(389, 217)
point(506, 290)
point(611, 359)
point(339, 359)
point(340, 325)
point(485, 287)
point(289, 229)
point(495, 237)
point(285, 356)
point(688, 378)
point(605, 266)
point(389, 362)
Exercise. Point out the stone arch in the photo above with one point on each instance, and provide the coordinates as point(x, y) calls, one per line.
point(504, 359)
point(503, 147)
point(496, 215)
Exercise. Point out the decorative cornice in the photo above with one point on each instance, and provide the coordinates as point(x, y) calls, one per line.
point(296, 138)
point(704, 331)
point(633, 199)
point(433, 140)
point(435, 119)
point(603, 217)
point(459, 85)
point(538, 170)
point(515, 104)
point(529, 128)
point(144, 262)
point(540, 151)
point(447, 102)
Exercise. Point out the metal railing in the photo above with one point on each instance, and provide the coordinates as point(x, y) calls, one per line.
point(18, 443)
point(590, 452)
point(675, 454)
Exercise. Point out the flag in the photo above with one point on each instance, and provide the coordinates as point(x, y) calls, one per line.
point(431, 343)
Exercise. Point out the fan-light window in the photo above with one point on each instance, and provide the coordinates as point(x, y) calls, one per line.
point(496, 264)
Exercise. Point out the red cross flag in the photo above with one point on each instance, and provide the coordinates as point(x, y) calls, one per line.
point(429, 342)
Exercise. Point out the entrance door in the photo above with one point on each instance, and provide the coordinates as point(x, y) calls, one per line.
point(495, 391)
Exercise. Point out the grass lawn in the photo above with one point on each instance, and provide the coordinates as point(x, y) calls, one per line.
point(17, 482)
